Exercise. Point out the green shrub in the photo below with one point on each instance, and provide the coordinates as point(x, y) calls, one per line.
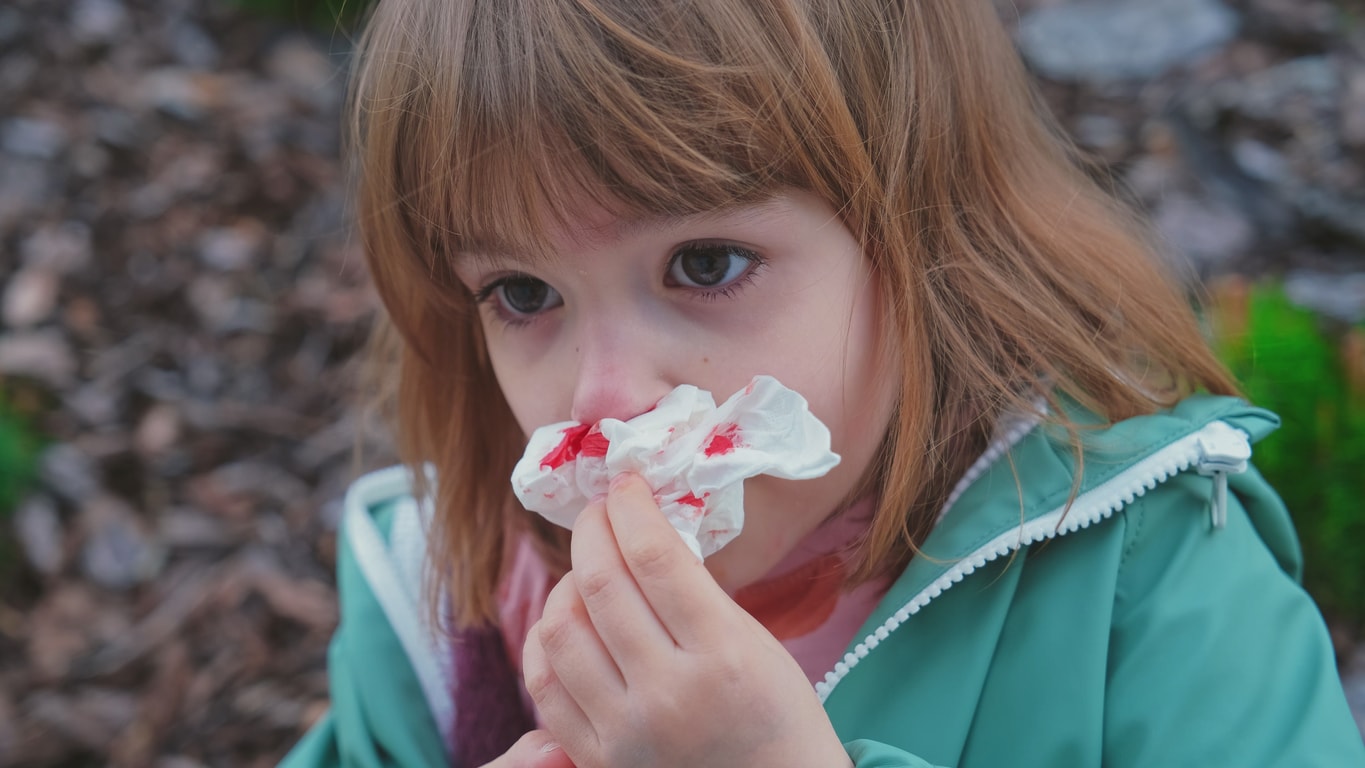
point(18, 462)
point(18, 456)
point(1290, 361)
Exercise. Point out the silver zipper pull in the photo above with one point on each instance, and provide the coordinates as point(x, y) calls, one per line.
point(1223, 450)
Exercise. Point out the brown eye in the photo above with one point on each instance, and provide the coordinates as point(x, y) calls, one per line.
point(709, 265)
point(522, 295)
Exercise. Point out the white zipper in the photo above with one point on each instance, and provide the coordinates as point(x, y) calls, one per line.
point(1217, 449)
point(1223, 454)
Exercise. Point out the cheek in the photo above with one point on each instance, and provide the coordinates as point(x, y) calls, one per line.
point(858, 390)
point(529, 391)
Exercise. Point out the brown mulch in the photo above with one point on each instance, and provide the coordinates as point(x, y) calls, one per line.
point(182, 302)
point(184, 299)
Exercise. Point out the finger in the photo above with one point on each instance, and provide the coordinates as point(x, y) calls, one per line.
point(535, 749)
point(624, 619)
point(576, 652)
point(557, 709)
point(673, 581)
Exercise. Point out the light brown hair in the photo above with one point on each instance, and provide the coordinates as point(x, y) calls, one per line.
point(1008, 273)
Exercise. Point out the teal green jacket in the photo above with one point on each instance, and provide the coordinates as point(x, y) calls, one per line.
point(1153, 619)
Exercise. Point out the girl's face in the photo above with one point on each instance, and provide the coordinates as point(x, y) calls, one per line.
point(629, 309)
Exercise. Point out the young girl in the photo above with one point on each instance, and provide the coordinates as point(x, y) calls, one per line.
point(1042, 546)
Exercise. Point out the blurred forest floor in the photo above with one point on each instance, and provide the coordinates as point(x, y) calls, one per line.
point(183, 302)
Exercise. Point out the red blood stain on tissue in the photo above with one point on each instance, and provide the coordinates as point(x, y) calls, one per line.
point(691, 500)
point(567, 449)
point(724, 438)
point(595, 443)
point(581, 439)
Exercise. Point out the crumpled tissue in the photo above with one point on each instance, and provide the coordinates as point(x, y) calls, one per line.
point(693, 453)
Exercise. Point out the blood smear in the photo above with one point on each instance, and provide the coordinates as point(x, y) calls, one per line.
point(691, 500)
point(595, 444)
point(579, 440)
point(723, 440)
point(568, 448)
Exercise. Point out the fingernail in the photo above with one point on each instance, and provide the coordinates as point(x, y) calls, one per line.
point(550, 746)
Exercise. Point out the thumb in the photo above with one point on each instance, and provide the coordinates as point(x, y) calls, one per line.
point(536, 749)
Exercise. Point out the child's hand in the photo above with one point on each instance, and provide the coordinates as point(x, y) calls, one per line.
point(642, 659)
point(533, 750)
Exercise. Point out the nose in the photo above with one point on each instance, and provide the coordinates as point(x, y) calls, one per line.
point(619, 374)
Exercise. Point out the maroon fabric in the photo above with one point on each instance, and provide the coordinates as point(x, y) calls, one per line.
point(489, 716)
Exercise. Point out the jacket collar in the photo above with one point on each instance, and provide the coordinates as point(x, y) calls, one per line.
point(1023, 497)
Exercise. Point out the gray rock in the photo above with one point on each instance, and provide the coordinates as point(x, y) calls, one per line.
point(1338, 296)
point(26, 186)
point(116, 127)
point(68, 472)
point(61, 247)
point(32, 137)
point(91, 717)
point(223, 311)
point(1101, 132)
point(1123, 40)
point(1260, 161)
point(178, 92)
point(186, 528)
point(29, 297)
point(193, 47)
point(203, 375)
point(1206, 231)
point(39, 531)
point(306, 70)
point(44, 355)
point(1295, 90)
point(118, 552)
point(158, 430)
point(98, 21)
point(230, 248)
point(95, 404)
point(89, 160)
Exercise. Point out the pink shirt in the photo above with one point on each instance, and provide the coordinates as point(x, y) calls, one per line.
point(802, 601)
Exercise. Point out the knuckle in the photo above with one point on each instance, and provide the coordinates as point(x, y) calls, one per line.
point(652, 560)
point(539, 685)
point(595, 587)
point(554, 633)
point(540, 682)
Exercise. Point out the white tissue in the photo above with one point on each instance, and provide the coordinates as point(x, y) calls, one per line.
point(694, 455)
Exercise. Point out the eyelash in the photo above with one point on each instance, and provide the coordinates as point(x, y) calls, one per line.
point(756, 264)
point(484, 296)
